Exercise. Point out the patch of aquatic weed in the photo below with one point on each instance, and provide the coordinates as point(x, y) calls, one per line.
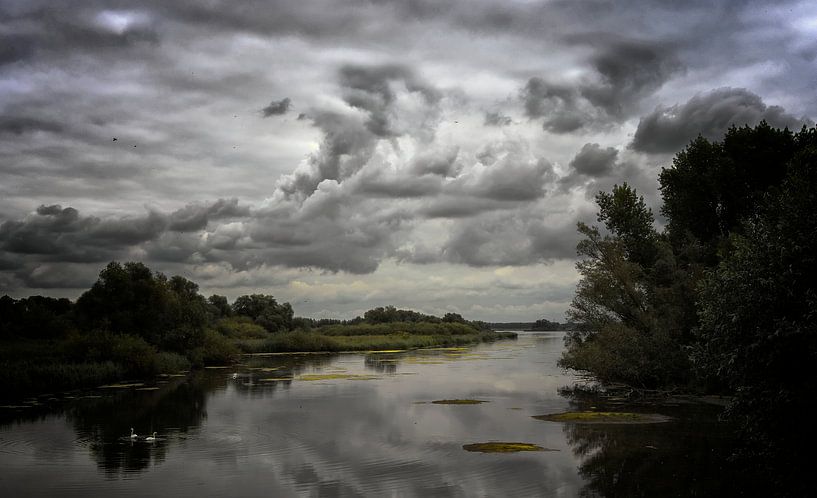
point(336, 376)
point(459, 402)
point(502, 447)
point(604, 418)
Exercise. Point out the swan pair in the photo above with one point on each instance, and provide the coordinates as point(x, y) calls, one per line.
point(133, 436)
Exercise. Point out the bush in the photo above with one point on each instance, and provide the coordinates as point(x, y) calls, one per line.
point(240, 327)
point(617, 353)
point(27, 376)
point(412, 328)
point(168, 363)
point(217, 350)
point(134, 354)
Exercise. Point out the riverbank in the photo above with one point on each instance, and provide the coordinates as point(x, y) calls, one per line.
point(30, 367)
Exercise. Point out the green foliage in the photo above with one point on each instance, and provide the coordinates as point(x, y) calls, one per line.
point(134, 354)
point(713, 186)
point(315, 341)
point(130, 299)
point(35, 317)
point(170, 363)
point(629, 219)
point(627, 299)
point(217, 350)
point(30, 375)
point(265, 311)
point(637, 295)
point(219, 306)
point(240, 327)
point(390, 314)
point(617, 353)
point(758, 313)
point(418, 328)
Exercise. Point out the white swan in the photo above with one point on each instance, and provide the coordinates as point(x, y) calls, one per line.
point(132, 435)
point(151, 438)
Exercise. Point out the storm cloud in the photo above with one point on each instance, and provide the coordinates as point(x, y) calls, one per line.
point(277, 107)
point(461, 138)
point(668, 129)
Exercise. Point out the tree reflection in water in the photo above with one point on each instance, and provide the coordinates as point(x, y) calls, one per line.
point(172, 411)
point(688, 456)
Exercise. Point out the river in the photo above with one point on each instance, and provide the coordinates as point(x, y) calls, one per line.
point(359, 425)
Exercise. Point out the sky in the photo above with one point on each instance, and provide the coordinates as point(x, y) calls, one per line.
point(342, 155)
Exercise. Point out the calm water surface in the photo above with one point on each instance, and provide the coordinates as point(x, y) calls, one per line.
point(371, 431)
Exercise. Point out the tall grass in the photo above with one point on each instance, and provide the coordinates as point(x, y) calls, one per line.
point(27, 376)
point(303, 341)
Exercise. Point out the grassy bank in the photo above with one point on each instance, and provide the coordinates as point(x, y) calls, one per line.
point(84, 361)
point(30, 367)
point(344, 340)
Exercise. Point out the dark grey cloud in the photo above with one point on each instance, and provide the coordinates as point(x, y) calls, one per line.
point(668, 129)
point(195, 217)
point(496, 118)
point(539, 95)
point(18, 125)
point(629, 71)
point(592, 160)
point(369, 88)
point(626, 71)
point(347, 145)
point(509, 180)
point(373, 165)
point(558, 104)
point(349, 141)
point(48, 31)
point(397, 186)
point(325, 238)
point(53, 233)
point(441, 162)
point(56, 234)
point(277, 107)
point(462, 206)
point(509, 239)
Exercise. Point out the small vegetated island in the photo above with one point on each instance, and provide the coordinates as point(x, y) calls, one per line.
point(134, 323)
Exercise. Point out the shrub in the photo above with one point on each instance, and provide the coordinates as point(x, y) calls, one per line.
point(240, 327)
point(217, 349)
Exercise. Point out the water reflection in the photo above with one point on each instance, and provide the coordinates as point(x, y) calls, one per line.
point(264, 428)
point(104, 424)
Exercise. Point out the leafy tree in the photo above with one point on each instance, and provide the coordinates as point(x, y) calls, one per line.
point(131, 299)
point(265, 311)
point(35, 317)
point(390, 314)
point(712, 186)
point(623, 301)
point(126, 299)
point(759, 320)
point(220, 306)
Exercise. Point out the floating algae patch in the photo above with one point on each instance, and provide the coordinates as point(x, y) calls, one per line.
point(604, 418)
point(337, 376)
point(379, 351)
point(458, 402)
point(423, 362)
point(499, 447)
